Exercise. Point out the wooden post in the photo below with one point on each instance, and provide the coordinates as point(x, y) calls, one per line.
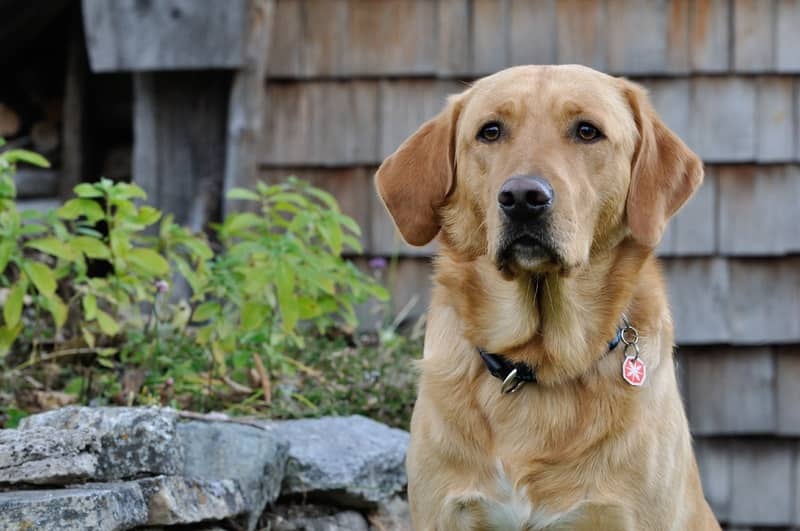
point(179, 141)
point(246, 106)
point(74, 138)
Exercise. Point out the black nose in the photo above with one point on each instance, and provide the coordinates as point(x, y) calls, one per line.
point(525, 196)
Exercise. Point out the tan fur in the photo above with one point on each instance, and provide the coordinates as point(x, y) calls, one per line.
point(581, 449)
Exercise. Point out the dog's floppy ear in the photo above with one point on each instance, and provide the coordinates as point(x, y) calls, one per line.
point(416, 179)
point(664, 174)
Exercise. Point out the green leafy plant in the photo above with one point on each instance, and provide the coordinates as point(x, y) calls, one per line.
point(130, 307)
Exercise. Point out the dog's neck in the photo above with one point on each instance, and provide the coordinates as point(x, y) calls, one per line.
point(557, 324)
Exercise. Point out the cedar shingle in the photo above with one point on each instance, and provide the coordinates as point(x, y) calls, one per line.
point(454, 37)
point(723, 119)
point(489, 32)
point(758, 212)
point(532, 32)
point(730, 390)
point(761, 477)
point(752, 39)
point(787, 38)
point(582, 33)
point(693, 229)
point(787, 391)
point(776, 126)
point(709, 35)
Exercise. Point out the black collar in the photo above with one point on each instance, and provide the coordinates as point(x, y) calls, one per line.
point(514, 375)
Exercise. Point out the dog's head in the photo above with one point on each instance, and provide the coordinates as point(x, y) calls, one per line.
point(538, 167)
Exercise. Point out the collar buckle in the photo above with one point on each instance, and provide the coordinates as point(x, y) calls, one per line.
point(512, 382)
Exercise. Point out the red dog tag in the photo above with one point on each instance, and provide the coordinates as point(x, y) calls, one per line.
point(634, 371)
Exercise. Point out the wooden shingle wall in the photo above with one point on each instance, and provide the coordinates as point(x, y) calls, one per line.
point(348, 80)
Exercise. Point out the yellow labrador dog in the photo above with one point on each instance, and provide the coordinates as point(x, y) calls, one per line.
point(548, 397)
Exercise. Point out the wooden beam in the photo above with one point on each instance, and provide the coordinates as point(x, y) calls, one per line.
point(74, 138)
point(143, 35)
point(179, 141)
point(246, 105)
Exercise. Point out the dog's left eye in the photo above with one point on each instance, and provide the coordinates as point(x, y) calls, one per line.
point(490, 132)
point(586, 132)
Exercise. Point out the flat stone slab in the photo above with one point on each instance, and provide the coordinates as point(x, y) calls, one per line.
point(136, 441)
point(315, 518)
point(255, 457)
point(101, 507)
point(48, 456)
point(177, 500)
point(348, 461)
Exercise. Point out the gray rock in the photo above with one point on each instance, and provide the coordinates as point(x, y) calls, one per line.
point(314, 518)
point(348, 461)
point(102, 507)
point(136, 441)
point(177, 500)
point(48, 456)
point(253, 456)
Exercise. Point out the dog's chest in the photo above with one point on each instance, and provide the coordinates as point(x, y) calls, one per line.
point(511, 509)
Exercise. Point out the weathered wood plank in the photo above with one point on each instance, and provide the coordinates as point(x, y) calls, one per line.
point(698, 298)
point(761, 477)
point(693, 230)
point(406, 104)
point(787, 391)
point(165, 35)
point(321, 123)
point(386, 240)
point(74, 122)
point(764, 300)
point(390, 37)
point(245, 106)
point(581, 33)
point(179, 146)
point(287, 45)
point(776, 126)
point(489, 36)
point(408, 280)
point(454, 37)
point(758, 212)
point(714, 461)
point(723, 119)
point(754, 25)
point(671, 98)
point(662, 48)
point(532, 32)
point(730, 390)
point(352, 188)
point(787, 38)
point(709, 35)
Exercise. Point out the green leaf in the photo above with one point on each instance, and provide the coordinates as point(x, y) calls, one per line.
point(105, 362)
point(57, 309)
point(6, 250)
point(89, 302)
point(325, 197)
point(241, 221)
point(91, 247)
point(42, 277)
point(87, 190)
point(12, 309)
point(52, 246)
point(88, 208)
point(149, 261)
point(253, 315)
point(127, 191)
point(107, 324)
point(148, 215)
point(242, 193)
point(29, 157)
point(290, 311)
point(88, 336)
point(206, 311)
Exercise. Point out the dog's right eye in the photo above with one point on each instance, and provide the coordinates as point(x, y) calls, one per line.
point(490, 132)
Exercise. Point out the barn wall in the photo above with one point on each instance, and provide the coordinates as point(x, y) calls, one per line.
point(348, 80)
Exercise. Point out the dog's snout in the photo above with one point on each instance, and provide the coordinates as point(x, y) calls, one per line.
point(525, 196)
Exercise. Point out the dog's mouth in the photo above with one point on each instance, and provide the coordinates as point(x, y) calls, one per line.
point(528, 253)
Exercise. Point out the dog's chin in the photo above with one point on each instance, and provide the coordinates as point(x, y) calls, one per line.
point(528, 256)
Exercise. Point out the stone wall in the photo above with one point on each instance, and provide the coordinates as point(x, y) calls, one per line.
point(130, 468)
